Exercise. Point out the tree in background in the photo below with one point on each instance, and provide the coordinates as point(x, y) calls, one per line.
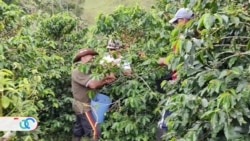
point(36, 52)
point(50, 6)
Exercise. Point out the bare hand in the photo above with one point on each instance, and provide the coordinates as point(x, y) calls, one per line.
point(108, 81)
point(162, 61)
point(109, 78)
point(127, 72)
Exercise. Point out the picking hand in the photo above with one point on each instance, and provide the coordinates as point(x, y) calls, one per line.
point(162, 61)
point(109, 78)
point(108, 81)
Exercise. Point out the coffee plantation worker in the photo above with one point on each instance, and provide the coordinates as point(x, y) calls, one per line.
point(85, 124)
point(181, 17)
point(114, 56)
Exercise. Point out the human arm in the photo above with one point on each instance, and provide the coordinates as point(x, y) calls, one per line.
point(95, 84)
point(87, 81)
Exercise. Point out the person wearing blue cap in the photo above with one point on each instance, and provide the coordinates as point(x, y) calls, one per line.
point(181, 17)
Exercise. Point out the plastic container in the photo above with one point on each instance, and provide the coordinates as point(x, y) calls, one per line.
point(99, 105)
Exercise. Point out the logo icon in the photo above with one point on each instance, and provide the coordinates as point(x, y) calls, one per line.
point(25, 123)
point(18, 123)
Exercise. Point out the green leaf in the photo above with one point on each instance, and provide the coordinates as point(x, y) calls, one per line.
point(219, 18)
point(225, 18)
point(231, 134)
point(28, 138)
point(214, 120)
point(197, 42)
point(5, 101)
point(232, 61)
point(235, 20)
point(175, 32)
point(226, 100)
point(200, 22)
point(204, 102)
point(222, 117)
point(169, 57)
point(201, 80)
point(245, 17)
point(1, 26)
point(236, 70)
point(163, 83)
point(227, 131)
point(201, 57)
point(223, 74)
point(208, 20)
point(188, 46)
point(217, 86)
point(248, 45)
point(241, 86)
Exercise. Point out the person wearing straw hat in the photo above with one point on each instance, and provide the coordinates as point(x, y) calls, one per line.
point(181, 18)
point(85, 124)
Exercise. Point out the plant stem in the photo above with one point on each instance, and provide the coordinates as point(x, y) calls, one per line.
point(234, 55)
point(145, 83)
point(227, 45)
point(229, 37)
point(1, 107)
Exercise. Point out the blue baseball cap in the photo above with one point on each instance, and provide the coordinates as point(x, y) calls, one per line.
point(182, 13)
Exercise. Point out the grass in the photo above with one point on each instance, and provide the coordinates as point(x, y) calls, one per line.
point(92, 8)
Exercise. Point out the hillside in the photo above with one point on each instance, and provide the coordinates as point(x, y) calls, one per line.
point(94, 7)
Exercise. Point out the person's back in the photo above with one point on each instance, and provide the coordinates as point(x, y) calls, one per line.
point(79, 91)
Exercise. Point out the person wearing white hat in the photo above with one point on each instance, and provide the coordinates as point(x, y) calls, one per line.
point(114, 47)
point(181, 17)
point(183, 14)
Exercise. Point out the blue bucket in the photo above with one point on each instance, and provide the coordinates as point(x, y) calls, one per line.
point(99, 105)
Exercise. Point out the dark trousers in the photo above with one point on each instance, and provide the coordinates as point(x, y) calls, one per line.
point(86, 125)
point(159, 133)
point(162, 127)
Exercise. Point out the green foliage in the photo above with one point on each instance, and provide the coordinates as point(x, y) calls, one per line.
point(144, 37)
point(48, 6)
point(40, 75)
point(58, 25)
point(8, 21)
point(209, 100)
point(59, 35)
